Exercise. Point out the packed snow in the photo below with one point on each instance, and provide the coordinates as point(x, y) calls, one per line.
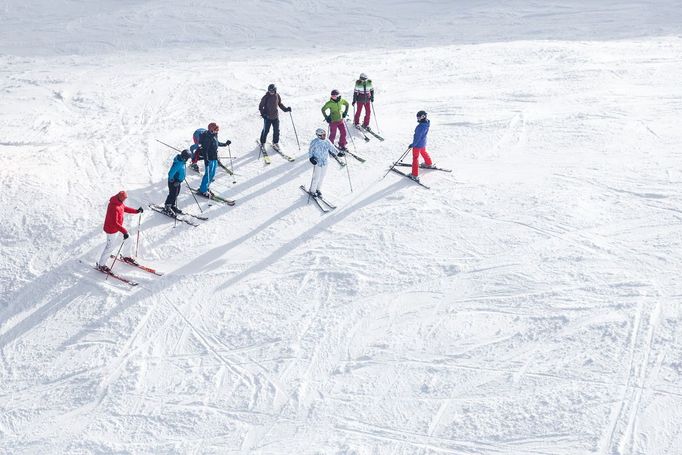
point(528, 303)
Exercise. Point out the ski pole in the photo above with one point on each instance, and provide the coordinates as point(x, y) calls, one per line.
point(345, 159)
point(137, 242)
point(310, 188)
point(375, 117)
point(229, 152)
point(116, 257)
point(169, 146)
point(192, 193)
point(351, 136)
point(294, 126)
point(399, 160)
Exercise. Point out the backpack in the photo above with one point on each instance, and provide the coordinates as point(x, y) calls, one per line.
point(196, 137)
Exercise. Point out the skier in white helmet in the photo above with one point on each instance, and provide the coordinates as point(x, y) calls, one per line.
point(318, 153)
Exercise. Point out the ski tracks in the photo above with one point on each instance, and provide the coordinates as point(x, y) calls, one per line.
point(621, 431)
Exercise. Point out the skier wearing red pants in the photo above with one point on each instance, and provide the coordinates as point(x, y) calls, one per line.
point(418, 145)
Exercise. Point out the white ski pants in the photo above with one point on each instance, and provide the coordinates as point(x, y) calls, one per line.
point(112, 242)
point(318, 176)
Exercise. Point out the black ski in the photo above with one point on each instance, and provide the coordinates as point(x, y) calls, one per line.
point(276, 148)
point(367, 129)
point(113, 275)
point(359, 158)
point(138, 265)
point(338, 160)
point(317, 200)
point(407, 176)
point(158, 208)
point(364, 136)
point(263, 152)
point(422, 166)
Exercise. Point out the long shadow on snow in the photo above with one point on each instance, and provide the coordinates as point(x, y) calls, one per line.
point(203, 261)
point(326, 223)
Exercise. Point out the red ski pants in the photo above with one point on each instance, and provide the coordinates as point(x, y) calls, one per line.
point(341, 126)
point(416, 151)
point(358, 109)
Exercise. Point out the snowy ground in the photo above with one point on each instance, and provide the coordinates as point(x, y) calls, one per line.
point(528, 303)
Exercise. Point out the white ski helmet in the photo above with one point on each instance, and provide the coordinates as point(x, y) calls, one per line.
point(320, 132)
point(363, 76)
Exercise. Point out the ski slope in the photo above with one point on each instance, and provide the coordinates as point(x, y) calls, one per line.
point(527, 304)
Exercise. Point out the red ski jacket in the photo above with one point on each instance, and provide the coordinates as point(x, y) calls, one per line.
point(113, 222)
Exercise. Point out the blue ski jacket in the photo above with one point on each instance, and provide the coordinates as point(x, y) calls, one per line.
point(177, 170)
point(420, 132)
point(320, 149)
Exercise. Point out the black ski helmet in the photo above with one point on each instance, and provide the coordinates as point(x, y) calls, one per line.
point(335, 92)
point(421, 115)
point(272, 88)
point(185, 155)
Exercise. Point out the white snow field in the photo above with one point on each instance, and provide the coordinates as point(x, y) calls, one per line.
point(529, 303)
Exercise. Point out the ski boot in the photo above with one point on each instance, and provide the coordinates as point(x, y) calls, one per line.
point(129, 260)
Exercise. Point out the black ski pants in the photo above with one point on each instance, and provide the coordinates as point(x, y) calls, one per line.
point(266, 129)
point(173, 191)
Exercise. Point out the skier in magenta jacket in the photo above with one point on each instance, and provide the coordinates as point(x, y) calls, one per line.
point(113, 224)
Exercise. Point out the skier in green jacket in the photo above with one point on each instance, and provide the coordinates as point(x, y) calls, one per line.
point(335, 118)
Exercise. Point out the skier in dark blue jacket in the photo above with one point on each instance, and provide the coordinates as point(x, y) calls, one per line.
point(176, 176)
point(418, 145)
point(208, 142)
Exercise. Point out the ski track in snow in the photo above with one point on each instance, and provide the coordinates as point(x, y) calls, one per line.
point(527, 303)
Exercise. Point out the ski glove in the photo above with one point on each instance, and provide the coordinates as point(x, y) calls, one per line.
point(409, 146)
point(328, 119)
point(313, 160)
point(125, 236)
point(140, 209)
point(345, 114)
point(353, 103)
point(287, 109)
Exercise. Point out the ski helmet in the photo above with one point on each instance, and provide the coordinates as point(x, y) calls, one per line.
point(185, 155)
point(421, 115)
point(335, 92)
point(320, 132)
point(363, 76)
point(213, 127)
point(122, 195)
point(272, 88)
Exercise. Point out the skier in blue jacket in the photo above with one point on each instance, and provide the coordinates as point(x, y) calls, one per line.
point(318, 154)
point(176, 176)
point(418, 145)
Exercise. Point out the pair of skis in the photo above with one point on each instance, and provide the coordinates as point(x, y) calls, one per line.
point(130, 262)
point(275, 147)
point(347, 152)
point(324, 205)
point(367, 129)
point(213, 197)
point(183, 218)
point(198, 171)
point(409, 176)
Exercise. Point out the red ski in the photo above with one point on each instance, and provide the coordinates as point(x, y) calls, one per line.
point(134, 263)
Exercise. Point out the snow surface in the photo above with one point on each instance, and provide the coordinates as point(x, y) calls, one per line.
point(527, 304)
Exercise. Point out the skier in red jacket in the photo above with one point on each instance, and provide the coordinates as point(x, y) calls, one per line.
point(113, 224)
